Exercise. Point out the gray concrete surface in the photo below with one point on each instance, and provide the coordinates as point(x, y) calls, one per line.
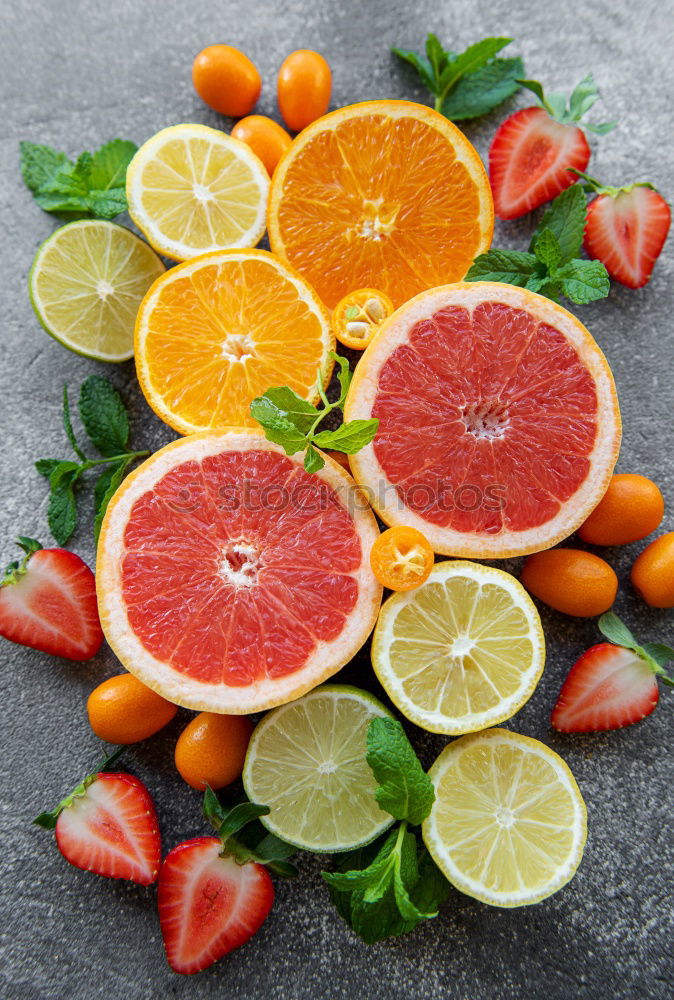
point(75, 74)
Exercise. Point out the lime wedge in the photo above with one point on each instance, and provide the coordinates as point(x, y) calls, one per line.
point(306, 761)
point(86, 284)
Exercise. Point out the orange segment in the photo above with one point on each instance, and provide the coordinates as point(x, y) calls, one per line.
point(220, 330)
point(386, 194)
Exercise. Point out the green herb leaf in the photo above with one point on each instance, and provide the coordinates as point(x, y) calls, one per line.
point(510, 266)
point(344, 376)
point(437, 57)
point(423, 68)
point(313, 460)
point(480, 92)
point(45, 466)
point(285, 402)
point(350, 437)
point(584, 281)
point(104, 416)
point(547, 249)
point(405, 790)
point(67, 424)
point(106, 486)
point(565, 218)
point(40, 164)
point(474, 58)
point(109, 164)
point(62, 508)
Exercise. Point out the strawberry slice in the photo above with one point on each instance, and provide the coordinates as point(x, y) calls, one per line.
point(209, 904)
point(533, 149)
point(48, 602)
point(611, 686)
point(626, 229)
point(108, 825)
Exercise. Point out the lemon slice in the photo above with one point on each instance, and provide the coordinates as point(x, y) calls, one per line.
point(193, 190)
point(86, 284)
point(306, 761)
point(508, 824)
point(463, 651)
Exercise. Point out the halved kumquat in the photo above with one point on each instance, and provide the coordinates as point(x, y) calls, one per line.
point(401, 558)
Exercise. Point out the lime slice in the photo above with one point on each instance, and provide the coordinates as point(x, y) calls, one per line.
point(86, 284)
point(508, 825)
point(306, 761)
point(463, 651)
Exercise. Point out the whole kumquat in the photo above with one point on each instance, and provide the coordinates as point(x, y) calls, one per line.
point(571, 581)
point(124, 710)
point(212, 748)
point(265, 137)
point(359, 315)
point(653, 572)
point(631, 508)
point(226, 80)
point(401, 558)
point(303, 88)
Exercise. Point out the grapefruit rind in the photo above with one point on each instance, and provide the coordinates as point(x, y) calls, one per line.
point(328, 656)
point(369, 474)
point(439, 722)
point(305, 293)
point(442, 854)
point(465, 152)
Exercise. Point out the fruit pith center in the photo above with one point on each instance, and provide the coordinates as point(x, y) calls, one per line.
point(486, 419)
point(239, 565)
point(378, 219)
point(237, 347)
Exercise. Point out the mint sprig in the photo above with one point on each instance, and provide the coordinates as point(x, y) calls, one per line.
point(467, 84)
point(655, 654)
point(94, 186)
point(552, 266)
point(244, 838)
point(385, 889)
point(292, 422)
point(106, 423)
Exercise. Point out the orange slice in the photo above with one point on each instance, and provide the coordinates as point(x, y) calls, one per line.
point(231, 580)
point(385, 194)
point(218, 331)
point(498, 420)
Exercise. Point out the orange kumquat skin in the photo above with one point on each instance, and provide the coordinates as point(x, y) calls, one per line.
point(653, 572)
point(631, 509)
point(124, 710)
point(303, 88)
point(265, 137)
point(401, 558)
point(571, 581)
point(226, 80)
point(212, 748)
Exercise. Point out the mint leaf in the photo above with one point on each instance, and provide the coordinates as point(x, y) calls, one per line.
point(584, 281)
point(313, 460)
point(45, 466)
point(109, 164)
point(510, 266)
point(432, 888)
point(565, 218)
point(68, 426)
point(474, 58)
point(62, 508)
point(362, 878)
point(480, 92)
point(40, 164)
point(405, 790)
point(547, 249)
point(421, 65)
point(344, 376)
point(349, 437)
point(104, 416)
point(437, 58)
point(286, 402)
point(106, 486)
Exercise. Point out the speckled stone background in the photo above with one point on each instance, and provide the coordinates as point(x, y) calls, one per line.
point(75, 74)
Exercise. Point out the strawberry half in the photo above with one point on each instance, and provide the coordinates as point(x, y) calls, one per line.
point(626, 229)
point(108, 825)
point(48, 602)
point(208, 903)
point(611, 686)
point(533, 149)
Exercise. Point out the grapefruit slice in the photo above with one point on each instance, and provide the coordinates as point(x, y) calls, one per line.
point(229, 579)
point(498, 420)
point(384, 194)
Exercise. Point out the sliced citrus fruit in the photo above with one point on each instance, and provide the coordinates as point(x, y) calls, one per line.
point(356, 319)
point(229, 579)
point(218, 331)
point(86, 283)
point(193, 190)
point(463, 651)
point(385, 194)
point(401, 558)
point(508, 825)
point(306, 761)
point(498, 420)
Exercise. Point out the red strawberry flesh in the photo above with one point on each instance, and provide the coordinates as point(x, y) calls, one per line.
point(209, 904)
point(626, 232)
point(607, 688)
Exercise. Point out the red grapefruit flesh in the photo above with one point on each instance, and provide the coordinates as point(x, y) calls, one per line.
point(229, 579)
point(498, 420)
